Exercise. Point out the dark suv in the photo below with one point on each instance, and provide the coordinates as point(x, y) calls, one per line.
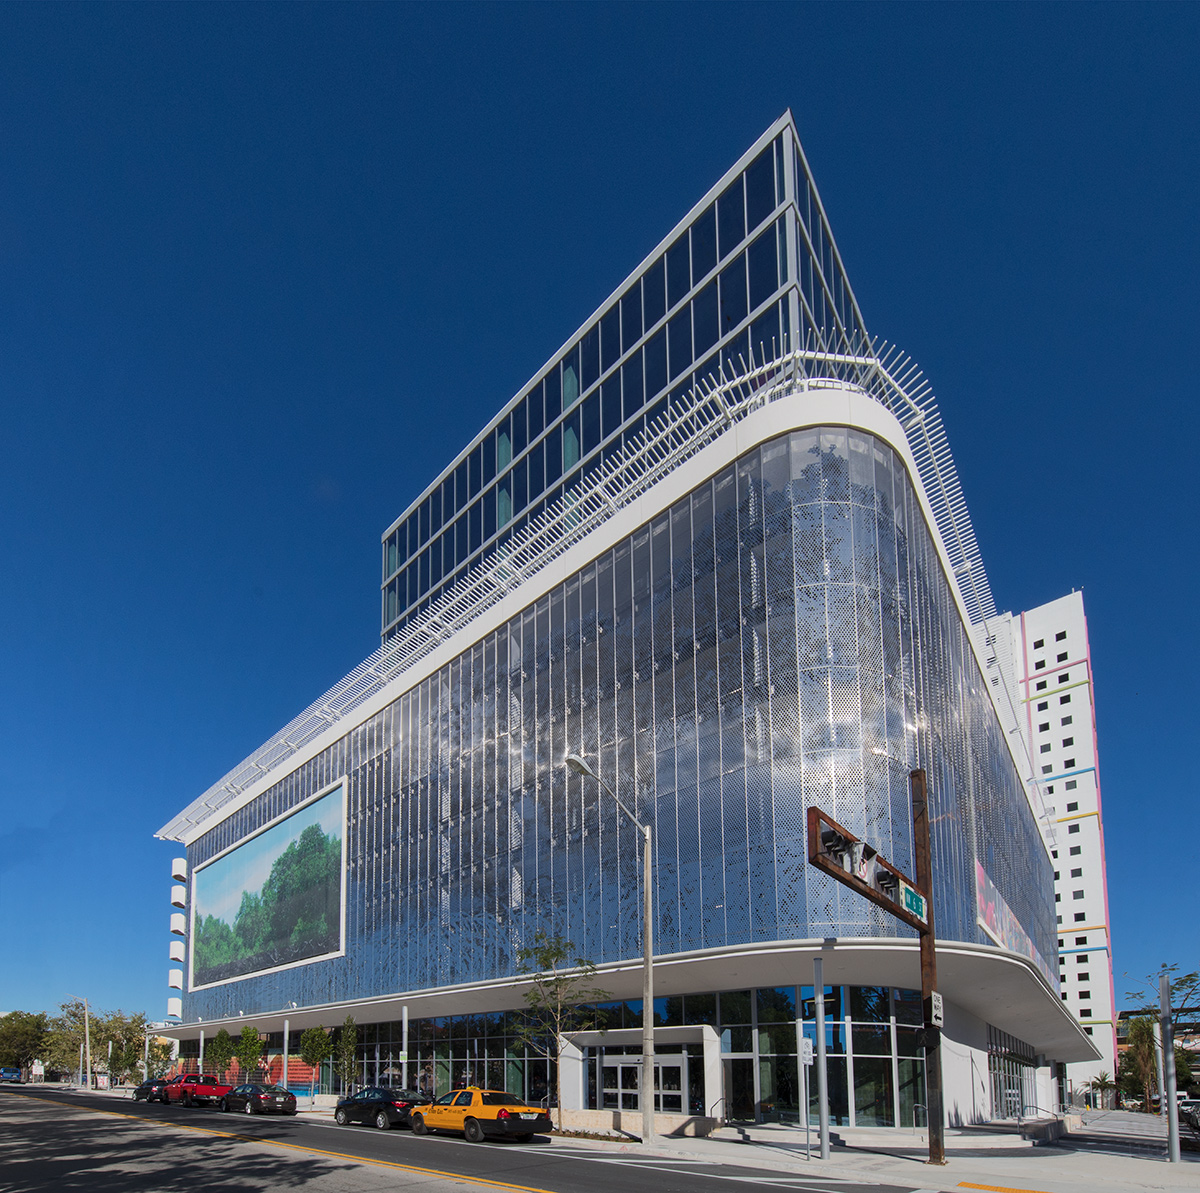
point(378, 1105)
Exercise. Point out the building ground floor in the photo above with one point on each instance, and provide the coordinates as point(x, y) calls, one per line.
point(727, 1047)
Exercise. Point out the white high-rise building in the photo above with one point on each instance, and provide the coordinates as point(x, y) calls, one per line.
point(1050, 668)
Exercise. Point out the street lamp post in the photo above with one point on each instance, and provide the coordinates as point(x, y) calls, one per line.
point(580, 766)
point(87, 1038)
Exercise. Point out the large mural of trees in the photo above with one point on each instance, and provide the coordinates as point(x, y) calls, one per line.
point(274, 900)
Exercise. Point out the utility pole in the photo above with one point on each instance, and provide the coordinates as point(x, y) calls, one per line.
point(1169, 1101)
point(836, 851)
point(87, 1042)
point(923, 859)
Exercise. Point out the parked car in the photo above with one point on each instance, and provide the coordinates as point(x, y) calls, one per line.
point(10, 1073)
point(151, 1090)
point(192, 1089)
point(480, 1114)
point(379, 1105)
point(260, 1099)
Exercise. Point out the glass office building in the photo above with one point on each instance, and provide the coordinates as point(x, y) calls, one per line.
point(717, 547)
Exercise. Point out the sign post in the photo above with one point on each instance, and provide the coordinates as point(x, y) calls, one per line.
point(854, 863)
point(806, 1060)
point(822, 1071)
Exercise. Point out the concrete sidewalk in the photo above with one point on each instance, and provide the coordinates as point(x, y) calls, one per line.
point(976, 1158)
point(987, 1158)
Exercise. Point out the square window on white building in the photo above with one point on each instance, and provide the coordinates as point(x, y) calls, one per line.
point(1076, 850)
point(1067, 720)
point(1065, 699)
point(1061, 636)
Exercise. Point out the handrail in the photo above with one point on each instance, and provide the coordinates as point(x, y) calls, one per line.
point(714, 1106)
point(920, 1106)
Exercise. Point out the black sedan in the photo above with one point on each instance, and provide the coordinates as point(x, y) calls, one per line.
point(380, 1106)
point(150, 1090)
point(260, 1099)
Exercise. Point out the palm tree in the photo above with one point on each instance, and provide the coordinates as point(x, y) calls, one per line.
point(1101, 1085)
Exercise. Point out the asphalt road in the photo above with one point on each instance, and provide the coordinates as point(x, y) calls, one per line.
point(75, 1141)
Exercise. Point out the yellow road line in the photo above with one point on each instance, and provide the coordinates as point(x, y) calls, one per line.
point(296, 1147)
point(996, 1188)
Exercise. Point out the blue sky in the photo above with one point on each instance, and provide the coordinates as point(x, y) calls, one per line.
point(263, 269)
point(218, 887)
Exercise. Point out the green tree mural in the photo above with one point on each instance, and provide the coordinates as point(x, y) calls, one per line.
point(297, 913)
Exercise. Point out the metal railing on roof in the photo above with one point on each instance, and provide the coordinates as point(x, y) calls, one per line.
point(683, 429)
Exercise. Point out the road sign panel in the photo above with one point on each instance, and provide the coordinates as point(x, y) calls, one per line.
point(914, 902)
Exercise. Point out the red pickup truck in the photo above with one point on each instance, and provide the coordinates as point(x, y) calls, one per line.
point(190, 1089)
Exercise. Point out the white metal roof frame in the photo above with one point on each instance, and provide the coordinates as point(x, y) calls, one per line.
point(883, 373)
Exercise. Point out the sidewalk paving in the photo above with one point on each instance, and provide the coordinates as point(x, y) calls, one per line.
point(1099, 1159)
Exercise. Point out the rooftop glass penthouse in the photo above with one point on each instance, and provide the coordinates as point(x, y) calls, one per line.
point(751, 270)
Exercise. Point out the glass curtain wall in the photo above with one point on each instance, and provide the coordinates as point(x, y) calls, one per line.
point(738, 658)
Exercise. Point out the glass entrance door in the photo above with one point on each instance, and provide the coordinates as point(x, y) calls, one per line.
point(621, 1085)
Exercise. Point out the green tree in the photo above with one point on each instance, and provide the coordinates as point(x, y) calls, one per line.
point(66, 1035)
point(127, 1035)
point(218, 1052)
point(1137, 1073)
point(315, 1049)
point(23, 1038)
point(345, 1052)
point(1183, 1068)
point(1101, 1086)
point(1185, 991)
point(160, 1058)
point(248, 1051)
point(561, 984)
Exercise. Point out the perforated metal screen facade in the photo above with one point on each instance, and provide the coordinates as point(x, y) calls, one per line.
point(731, 662)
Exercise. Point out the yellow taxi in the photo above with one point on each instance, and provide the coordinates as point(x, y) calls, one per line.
point(481, 1114)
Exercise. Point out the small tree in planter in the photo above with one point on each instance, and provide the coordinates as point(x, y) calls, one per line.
point(248, 1051)
point(315, 1049)
point(559, 986)
point(345, 1053)
point(219, 1052)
